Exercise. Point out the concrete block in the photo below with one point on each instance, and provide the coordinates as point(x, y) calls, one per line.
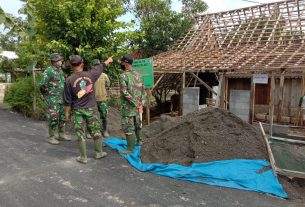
point(190, 100)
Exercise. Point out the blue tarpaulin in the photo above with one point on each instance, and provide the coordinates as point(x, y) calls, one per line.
point(239, 174)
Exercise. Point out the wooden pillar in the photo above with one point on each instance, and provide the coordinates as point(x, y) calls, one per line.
point(222, 91)
point(181, 94)
point(303, 84)
point(281, 98)
point(226, 92)
point(34, 94)
point(271, 103)
point(148, 94)
point(299, 111)
point(252, 101)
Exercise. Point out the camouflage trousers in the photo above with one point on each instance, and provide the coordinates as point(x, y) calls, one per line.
point(56, 115)
point(88, 116)
point(102, 108)
point(130, 124)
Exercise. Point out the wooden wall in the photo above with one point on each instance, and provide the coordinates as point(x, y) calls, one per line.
point(292, 93)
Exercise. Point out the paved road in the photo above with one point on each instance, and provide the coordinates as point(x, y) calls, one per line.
point(35, 173)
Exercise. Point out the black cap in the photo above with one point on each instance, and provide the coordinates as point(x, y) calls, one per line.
point(76, 60)
point(127, 59)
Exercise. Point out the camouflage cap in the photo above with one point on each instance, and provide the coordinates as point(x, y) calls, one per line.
point(95, 62)
point(55, 57)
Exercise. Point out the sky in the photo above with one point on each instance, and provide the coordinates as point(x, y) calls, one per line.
point(12, 6)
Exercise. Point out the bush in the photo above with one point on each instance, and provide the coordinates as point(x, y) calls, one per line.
point(20, 98)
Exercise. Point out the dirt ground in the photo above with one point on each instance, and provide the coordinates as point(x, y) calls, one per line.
point(295, 188)
point(206, 135)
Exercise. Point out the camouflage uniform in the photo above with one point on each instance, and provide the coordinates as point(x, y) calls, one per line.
point(80, 97)
point(52, 86)
point(131, 93)
point(90, 116)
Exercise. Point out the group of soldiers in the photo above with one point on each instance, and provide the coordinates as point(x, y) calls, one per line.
point(83, 96)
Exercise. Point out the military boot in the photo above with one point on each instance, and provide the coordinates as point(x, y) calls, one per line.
point(105, 130)
point(83, 152)
point(130, 144)
point(98, 149)
point(138, 137)
point(62, 135)
point(52, 139)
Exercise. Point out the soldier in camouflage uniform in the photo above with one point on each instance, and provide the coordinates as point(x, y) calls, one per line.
point(132, 95)
point(79, 97)
point(102, 97)
point(52, 86)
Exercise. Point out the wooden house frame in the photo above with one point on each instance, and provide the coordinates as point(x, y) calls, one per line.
point(235, 45)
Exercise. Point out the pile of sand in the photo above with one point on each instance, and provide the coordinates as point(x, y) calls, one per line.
point(206, 135)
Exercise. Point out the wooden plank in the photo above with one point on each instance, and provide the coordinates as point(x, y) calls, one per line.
point(226, 92)
point(203, 83)
point(281, 100)
point(148, 94)
point(271, 103)
point(221, 92)
point(291, 173)
point(271, 157)
point(158, 81)
point(252, 101)
point(272, 34)
point(181, 96)
point(288, 140)
point(34, 94)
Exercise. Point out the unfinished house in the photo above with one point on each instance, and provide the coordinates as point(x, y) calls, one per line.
point(255, 55)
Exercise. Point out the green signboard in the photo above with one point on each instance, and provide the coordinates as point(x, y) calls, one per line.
point(145, 68)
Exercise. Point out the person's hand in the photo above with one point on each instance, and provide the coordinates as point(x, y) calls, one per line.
point(109, 60)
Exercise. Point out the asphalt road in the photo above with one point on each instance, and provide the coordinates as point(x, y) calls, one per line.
point(35, 173)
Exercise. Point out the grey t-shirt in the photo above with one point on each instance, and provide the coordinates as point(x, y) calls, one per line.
point(79, 88)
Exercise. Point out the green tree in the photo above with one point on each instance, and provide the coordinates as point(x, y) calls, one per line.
point(160, 26)
point(193, 7)
point(89, 28)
